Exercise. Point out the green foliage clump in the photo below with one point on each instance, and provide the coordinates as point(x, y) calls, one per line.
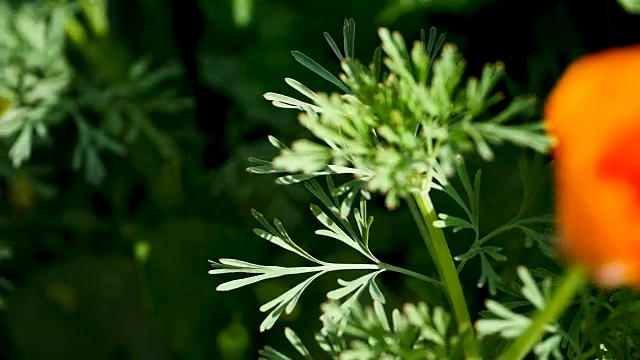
point(34, 74)
point(401, 131)
point(39, 88)
point(416, 332)
point(396, 129)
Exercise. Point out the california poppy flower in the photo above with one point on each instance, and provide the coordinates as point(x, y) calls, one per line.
point(594, 115)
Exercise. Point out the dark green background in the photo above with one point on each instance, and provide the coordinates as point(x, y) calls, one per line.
point(80, 291)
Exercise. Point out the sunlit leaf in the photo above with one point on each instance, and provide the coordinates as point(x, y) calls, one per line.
point(297, 343)
point(318, 69)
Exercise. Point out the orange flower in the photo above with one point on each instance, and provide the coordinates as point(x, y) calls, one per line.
point(594, 115)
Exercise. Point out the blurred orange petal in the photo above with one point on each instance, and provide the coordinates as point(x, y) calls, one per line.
point(594, 113)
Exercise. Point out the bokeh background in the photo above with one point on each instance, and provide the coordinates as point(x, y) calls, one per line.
point(119, 270)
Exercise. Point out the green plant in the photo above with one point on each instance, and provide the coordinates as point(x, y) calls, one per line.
point(62, 105)
point(402, 131)
point(39, 87)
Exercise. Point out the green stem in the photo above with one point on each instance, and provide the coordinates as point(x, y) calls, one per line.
point(424, 215)
point(410, 273)
point(560, 300)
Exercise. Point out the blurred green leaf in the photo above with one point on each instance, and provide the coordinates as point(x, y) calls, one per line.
point(631, 6)
point(242, 12)
point(397, 8)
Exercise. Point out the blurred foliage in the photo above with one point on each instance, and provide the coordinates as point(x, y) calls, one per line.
point(138, 137)
point(632, 6)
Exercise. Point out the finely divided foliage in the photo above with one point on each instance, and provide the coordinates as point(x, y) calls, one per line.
point(415, 332)
point(500, 319)
point(345, 233)
point(394, 131)
point(39, 89)
point(528, 225)
point(397, 130)
point(33, 74)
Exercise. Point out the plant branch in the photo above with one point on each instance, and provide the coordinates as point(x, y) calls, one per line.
point(512, 224)
point(410, 273)
point(424, 215)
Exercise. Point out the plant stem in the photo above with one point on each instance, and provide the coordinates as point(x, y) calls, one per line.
point(424, 215)
point(408, 272)
point(560, 299)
